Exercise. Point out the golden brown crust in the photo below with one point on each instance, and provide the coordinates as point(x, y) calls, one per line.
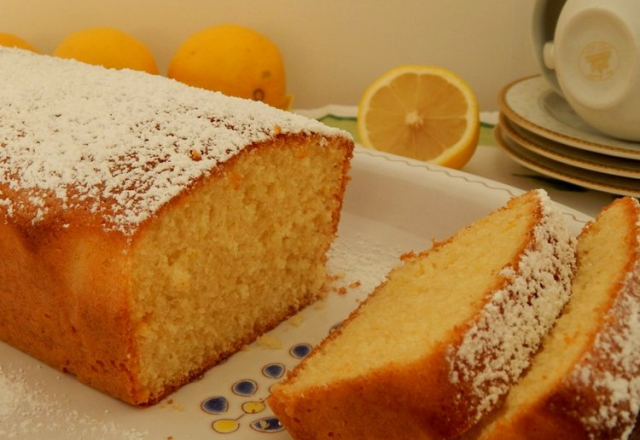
point(395, 393)
point(541, 424)
point(56, 310)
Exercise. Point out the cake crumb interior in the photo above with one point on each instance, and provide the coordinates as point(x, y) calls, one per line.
point(420, 288)
point(234, 257)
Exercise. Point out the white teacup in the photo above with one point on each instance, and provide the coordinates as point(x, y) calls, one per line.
point(589, 51)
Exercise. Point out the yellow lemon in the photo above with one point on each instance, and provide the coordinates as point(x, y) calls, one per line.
point(9, 40)
point(234, 60)
point(108, 47)
point(422, 112)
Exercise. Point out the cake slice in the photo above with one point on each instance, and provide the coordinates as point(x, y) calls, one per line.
point(437, 345)
point(148, 230)
point(585, 382)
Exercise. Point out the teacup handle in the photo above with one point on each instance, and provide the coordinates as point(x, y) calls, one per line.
point(545, 17)
point(549, 61)
point(548, 55)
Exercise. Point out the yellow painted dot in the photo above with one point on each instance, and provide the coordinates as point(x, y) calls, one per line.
point(253, 407)
point(225, 426)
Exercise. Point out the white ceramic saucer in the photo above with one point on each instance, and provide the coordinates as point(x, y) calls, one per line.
point(568, 173)
point(562, 153)
point(531, 103)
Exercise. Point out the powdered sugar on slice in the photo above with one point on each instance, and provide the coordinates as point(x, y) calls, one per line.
point(617, 347)
point(118, 142)
point(498, 348)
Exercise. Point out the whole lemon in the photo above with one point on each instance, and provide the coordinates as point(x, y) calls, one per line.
point(9, 40)
point(234, 60)
point(108, 47)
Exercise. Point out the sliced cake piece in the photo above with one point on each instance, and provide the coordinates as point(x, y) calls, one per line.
point(439, 343)
point(585, 382)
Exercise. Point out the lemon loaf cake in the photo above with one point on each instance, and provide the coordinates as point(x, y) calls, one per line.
point(438, 344)
point(585, 381)
point(149, 229)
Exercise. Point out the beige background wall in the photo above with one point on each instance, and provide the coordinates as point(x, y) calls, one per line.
point(332, 48)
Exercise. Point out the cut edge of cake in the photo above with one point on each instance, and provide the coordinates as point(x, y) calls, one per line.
point(584, 384)
point(459, 382)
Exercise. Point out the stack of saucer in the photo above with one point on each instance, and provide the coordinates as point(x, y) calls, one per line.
point(539, 130)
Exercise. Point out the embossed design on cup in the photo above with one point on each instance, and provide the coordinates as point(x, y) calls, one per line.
point(599, 61)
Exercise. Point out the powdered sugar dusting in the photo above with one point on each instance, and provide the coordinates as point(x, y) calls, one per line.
point(360, 259)
point(616, 387)
point(121, 143)
point(498, 348)
point(26, 411)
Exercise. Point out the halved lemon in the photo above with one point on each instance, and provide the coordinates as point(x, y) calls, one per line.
point(422, 112)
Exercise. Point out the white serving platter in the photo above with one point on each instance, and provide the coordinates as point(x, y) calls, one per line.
point(393, 205)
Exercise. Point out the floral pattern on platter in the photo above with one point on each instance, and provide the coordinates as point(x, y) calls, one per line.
point(248, 388)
